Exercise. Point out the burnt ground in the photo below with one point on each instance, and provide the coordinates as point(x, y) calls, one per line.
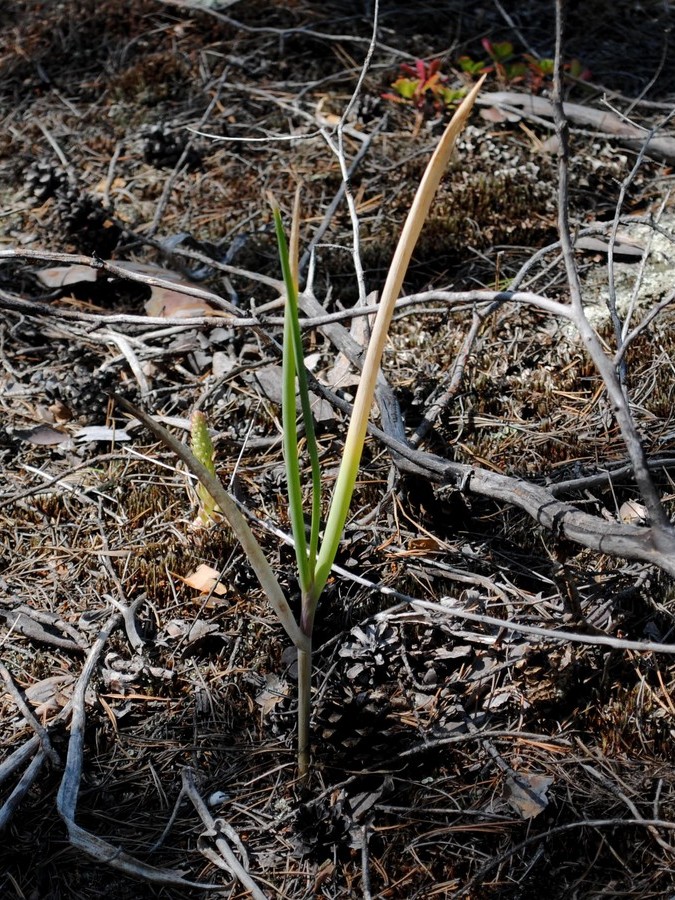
point(451, 757)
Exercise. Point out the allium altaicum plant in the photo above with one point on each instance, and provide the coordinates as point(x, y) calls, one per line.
point(315, 554)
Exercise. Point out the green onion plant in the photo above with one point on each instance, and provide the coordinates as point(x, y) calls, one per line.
point(315, 554)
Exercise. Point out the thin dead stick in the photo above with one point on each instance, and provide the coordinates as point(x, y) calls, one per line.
point(619, 326)
point(66, 800)
point(337, 199)
point(214, 833)
point(664, 845)
point(446, 396)
point(27, 713)
point(127, 610)
point(365, 862)
point(540, 502)
point(125, 349)
point(182, 159)
point(602, 121)
point(452, 608)
point(70, 784)
point(171, 325)
point(12, 803)
point(18, 758)
point(339, 150)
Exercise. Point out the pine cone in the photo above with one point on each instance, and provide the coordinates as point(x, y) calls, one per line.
point(86, 222)
point(42, 180)
point(163, 149)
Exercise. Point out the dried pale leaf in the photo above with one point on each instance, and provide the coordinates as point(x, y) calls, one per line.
point(527, 794)
point(424, 701)
point(176, 628)
point(150, 269)
point(632, 512)
point(496, 115)
point(201, 630)
point(274, 692)
point(342, 375)
point(222, 364)
point(494, 701)
point(623, 246)
point(312, 360)
point(49, 695)
point(420, 546)
point(101, 433)
point(167, 303)
point(103, 185)
point(42, 435)
point(268, 379)
point(361, 804)
point(460, 651)
point(48, 689)
point(60, 276)
point(321, 409)
point(60, 412)
point(205, 579)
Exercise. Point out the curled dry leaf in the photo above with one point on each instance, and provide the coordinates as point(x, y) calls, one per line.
point(497, 116)
point(274, 692)
point(168, 303)
point(527, 794)
point(205, 579)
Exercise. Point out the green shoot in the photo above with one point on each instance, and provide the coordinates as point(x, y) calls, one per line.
point(202, 447)
point(293, 367)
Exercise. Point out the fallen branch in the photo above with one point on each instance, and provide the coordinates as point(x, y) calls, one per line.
point(603, 121)
point(66, 800)
point(655, 545)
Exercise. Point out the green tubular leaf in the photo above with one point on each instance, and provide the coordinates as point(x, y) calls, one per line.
point(310, 435)
point(293, 366)
point(289, 425)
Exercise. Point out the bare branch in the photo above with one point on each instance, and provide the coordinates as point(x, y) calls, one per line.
point(663, 533)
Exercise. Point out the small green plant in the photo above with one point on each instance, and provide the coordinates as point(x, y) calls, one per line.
point(511, 69)
point(424, 86)
point(314, 554)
